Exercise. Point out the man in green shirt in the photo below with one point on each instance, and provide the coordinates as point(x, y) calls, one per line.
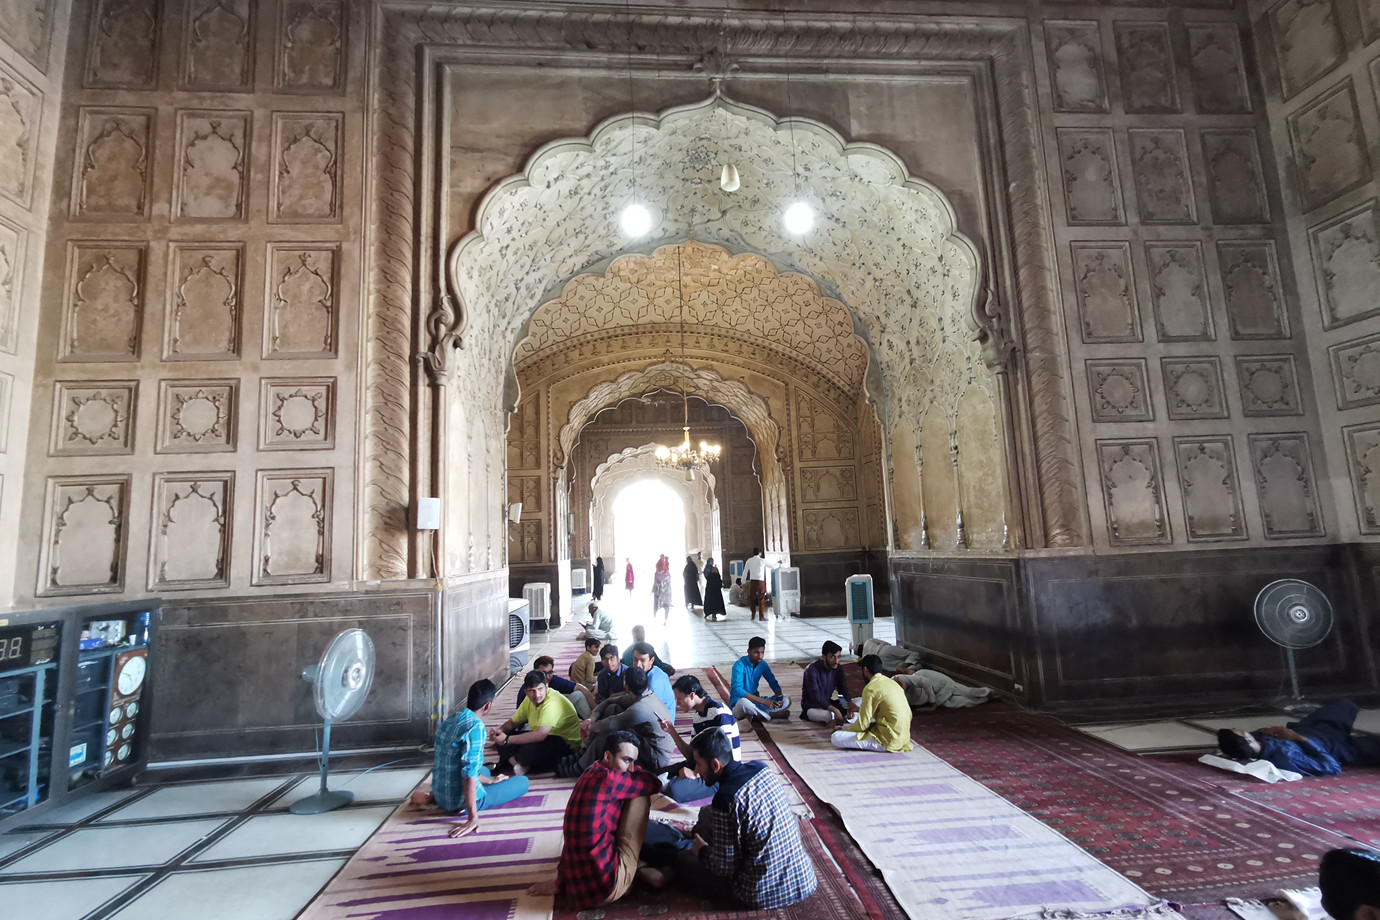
point(883, 722)
point(553, 730)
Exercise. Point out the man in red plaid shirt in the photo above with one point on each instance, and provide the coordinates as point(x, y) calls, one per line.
point(605, 822)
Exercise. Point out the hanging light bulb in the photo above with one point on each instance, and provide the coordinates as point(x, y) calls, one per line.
point(799, 218)
point(728, 178)
point(635, 220)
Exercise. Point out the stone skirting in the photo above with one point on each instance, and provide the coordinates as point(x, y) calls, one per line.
point(1136, 631)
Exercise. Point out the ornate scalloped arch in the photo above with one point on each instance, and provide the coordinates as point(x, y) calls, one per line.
point(621, 458)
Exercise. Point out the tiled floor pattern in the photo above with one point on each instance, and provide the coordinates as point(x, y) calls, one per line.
point(227, 850)
point(1199, 732)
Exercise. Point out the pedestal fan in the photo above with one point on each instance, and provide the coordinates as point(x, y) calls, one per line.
point(1293, 614)
point(340, 683)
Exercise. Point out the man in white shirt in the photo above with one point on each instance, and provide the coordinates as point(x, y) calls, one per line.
point(755, 573)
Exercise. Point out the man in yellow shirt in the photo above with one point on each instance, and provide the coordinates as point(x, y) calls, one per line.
point(883, 722)
point(553, 730)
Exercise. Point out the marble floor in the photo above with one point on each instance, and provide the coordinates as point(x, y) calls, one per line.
point(230, 850)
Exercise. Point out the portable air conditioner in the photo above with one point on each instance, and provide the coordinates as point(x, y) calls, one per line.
point(519, 634)
point(862, 609)
point(735, 569)
point(538, 597)
point(579, 581)
point(787, 584)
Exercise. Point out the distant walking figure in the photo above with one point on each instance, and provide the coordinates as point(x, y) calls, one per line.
point(597, 590)
point(691, 574)
point(628, 578)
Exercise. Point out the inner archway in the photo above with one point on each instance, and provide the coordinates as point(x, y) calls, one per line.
point(648, 520)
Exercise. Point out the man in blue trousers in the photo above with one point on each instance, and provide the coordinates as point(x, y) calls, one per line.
point(1319, 744)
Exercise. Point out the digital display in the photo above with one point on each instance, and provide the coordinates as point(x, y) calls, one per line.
point(26, 646)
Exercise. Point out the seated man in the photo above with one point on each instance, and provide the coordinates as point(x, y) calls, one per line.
point(459, 779)
point(639, 634)
point(926, 689)
point(601, 624)
point(554, 730)
point(753, 841)
point(824, 693)
point(748, 672)
point(883, 720)
point(642, 715)
point(1319, 744)
point(1350, 883)
point(644, 659)
point(582, 698)
point(610, 680)
point(585, 669)
point(684, 784)
point(605, 821)
point(735, 593)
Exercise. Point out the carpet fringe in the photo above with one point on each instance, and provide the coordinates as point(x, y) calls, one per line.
point(1161, 910)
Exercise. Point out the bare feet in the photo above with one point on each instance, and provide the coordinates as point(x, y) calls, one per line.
point(543, 889)
point(519, 770)
point(421, 800)
point(656, 878)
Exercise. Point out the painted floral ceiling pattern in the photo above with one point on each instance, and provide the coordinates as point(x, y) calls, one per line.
point(737, 295)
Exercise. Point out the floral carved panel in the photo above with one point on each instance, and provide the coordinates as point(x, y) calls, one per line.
point(1329, 147)
point(1308, 42)
point(310, 56)
point(1164, 190)
point(205, 294)
point(1210, 490)
point(1363, 463)
point(122, 46)
point(20, 106)
point(111, 168)
point(822, 435)
point(218, 45)
point(1146, 55)
point(1092, 187)
point(1283, 470)
point(1356, 372)
point(1076, 70)
point(103, 309)
point(1193, 388)
point(1219, 76)
point(297, 413)
point(193, 517)
point(197, 416)
point(1269, 385)
point(85, 523)
point(302, 303)
point(828, 484)
point(1179, 292)
point(1236, 186)
point(93, 417)
point(292, 542)
point(212, 169)
point(528, 489)
point(1250, 282)
point(1132, 492)
point(27, 26)
point(1346, 265)
point(306, 168)
point(835, 528)
point(1118, 392)
point(1105, 290)
point(12, 243)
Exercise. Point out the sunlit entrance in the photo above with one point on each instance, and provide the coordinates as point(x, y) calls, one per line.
point(648, 520)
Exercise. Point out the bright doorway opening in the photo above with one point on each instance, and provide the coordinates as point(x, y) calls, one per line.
point(648, 520)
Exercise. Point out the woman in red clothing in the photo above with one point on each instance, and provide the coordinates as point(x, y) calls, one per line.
point(628, 578)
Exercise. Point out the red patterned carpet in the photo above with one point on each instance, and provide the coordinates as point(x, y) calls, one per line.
point(1167, 825)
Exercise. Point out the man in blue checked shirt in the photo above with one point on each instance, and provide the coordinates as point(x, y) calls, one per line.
point(459, 779)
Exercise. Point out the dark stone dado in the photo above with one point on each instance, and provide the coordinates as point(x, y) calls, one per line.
point(1135, 631)
point(822, 576)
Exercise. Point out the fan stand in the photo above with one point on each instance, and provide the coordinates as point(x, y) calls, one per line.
point(326, 799)
point(1295, 703)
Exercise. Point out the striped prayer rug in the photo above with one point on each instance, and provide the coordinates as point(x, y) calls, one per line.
point(948, 848)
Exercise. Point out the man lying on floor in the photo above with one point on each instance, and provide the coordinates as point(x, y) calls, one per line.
point(553, 730)
point(459, 778)
point(747, 836)
point(1319, 744)
point(883, 720)
point(925, 689)
point(642, 715)
point(683, 784)
point(605, 822)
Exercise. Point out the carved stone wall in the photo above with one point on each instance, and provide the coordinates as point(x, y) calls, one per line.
point(1178, 293)
point(33, 39)
point(1321, 65)
point(200, 317)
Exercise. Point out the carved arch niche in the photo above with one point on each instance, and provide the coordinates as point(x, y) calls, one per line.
point(638, 464)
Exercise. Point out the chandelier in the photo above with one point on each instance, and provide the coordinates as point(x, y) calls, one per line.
point(685, 456)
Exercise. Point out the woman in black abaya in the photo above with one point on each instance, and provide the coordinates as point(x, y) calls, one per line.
point(598, 589)
point(713, 592)
point(691, 574)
